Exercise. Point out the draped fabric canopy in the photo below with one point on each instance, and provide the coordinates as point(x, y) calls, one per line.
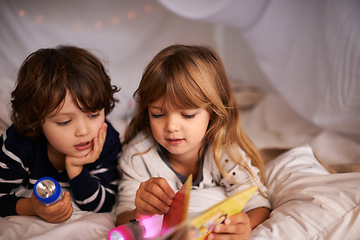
point(308, 50)
point(124, 34)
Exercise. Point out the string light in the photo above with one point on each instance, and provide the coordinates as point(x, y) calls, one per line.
point(131, 15)
point(115, 21)
point(39, 18)
point(149, 8)
point(98, 24)
point(22, 13)
point(78, 25)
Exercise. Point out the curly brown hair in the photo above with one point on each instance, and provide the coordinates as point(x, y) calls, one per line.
point(47, 75)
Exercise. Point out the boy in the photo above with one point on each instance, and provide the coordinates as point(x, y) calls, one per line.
point(59, 104)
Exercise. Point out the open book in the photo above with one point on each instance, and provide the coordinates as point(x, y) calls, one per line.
point(176, 225)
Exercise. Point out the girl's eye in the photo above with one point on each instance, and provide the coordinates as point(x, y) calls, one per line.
point(188, 116)
point(157, 115)
point(94, 115)
point(63, 123)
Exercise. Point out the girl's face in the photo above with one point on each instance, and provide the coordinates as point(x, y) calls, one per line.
point(71, 131)
point(180, 131)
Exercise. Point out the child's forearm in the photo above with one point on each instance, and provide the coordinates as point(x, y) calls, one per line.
point(125, 217)
point(24, 207)
point(257, 216)
point(73, 171)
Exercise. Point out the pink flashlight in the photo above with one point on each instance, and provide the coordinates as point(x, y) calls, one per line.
point(133, 230)
point(145, 227)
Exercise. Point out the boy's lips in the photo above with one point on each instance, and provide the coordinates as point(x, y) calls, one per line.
point(83, 146)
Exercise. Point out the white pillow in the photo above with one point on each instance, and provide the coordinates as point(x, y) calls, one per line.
point(7, 86)
point(308, 202)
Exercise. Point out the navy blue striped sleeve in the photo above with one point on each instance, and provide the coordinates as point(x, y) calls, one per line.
point(13, 170)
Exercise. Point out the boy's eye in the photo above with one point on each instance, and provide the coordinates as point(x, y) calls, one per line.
point(63, 123)
point(95, 115)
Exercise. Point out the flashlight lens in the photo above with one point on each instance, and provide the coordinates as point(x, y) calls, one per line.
point(45, 188)
point(116, 236)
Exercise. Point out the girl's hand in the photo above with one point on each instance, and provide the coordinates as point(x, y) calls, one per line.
point(234, 227)
point(56, 213)
point(74, 165)
point(154, 196)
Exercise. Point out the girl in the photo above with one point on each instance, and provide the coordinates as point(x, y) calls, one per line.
point(187, 123)
point(59, 130)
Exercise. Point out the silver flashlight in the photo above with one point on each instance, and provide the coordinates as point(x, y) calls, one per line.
point(48, 191)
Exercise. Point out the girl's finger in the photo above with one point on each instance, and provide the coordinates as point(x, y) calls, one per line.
point(163, 185)
point(236, 224)
point(145, 208)
point(155, 202)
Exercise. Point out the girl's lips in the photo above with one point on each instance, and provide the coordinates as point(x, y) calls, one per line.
point(83, 146)
point(176, 141)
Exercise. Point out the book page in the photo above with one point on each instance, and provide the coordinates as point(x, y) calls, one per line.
point(178, 211)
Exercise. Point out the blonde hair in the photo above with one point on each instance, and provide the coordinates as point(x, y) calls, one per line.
point(194, 77)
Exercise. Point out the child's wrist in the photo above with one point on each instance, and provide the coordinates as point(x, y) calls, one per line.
point(25, 207)
point(73, 171)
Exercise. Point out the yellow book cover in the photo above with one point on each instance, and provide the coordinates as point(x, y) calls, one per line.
point(176, 224)
point(202, 225)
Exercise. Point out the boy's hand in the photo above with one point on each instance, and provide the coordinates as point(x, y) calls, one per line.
point(56, 213)
point(154, 196)
point(234, 227)
point(74, 165)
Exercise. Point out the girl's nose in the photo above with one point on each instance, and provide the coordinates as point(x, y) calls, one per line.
point(172, 124)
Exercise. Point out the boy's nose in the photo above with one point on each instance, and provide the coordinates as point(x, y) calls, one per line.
point(81, 129)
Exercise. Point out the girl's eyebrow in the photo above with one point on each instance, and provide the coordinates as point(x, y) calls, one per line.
point(154, 107)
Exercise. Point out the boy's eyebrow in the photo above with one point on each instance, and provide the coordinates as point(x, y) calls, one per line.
point(58, 114)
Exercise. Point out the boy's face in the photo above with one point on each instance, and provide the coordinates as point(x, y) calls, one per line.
point(71, 131)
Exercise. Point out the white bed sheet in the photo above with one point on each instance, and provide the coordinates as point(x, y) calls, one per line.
point(308, 202)
point(82, 225)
